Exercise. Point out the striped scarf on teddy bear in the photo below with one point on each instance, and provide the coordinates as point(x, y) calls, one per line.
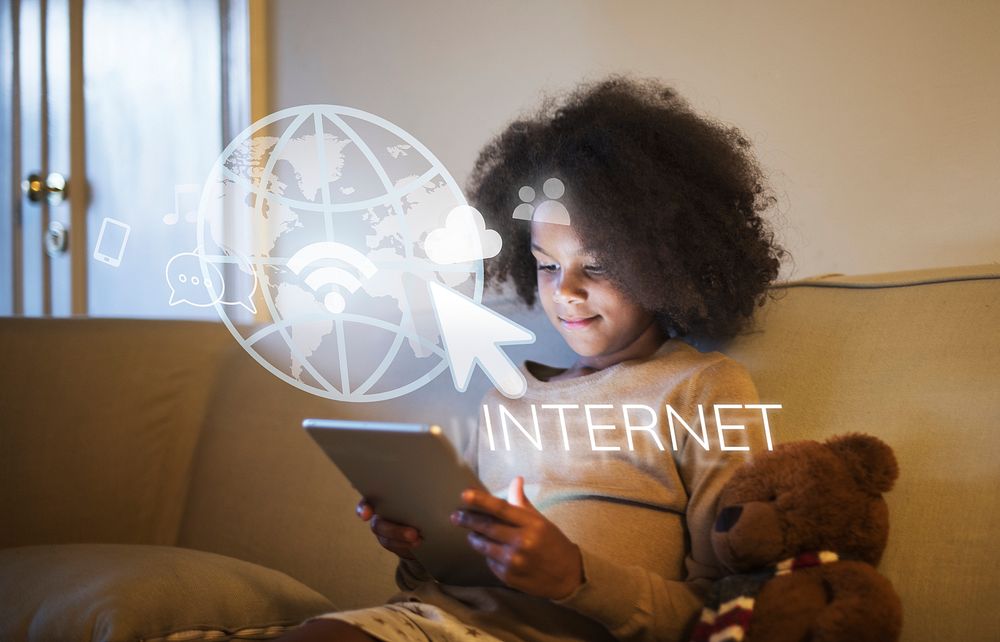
point(729, 607)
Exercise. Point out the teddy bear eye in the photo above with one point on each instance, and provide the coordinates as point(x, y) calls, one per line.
point(772, 497)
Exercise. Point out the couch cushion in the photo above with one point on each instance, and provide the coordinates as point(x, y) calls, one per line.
point(110, 592)
point(912, 358)
point(100, 418)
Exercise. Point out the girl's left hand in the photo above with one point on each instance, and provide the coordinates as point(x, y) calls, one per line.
point(521, 546)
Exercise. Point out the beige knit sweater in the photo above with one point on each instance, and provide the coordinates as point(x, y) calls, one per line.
point(641, 516)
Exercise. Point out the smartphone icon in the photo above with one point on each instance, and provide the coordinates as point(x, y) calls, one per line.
point(111, 242)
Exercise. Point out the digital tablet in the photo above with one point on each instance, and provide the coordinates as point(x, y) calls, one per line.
point(411, 474)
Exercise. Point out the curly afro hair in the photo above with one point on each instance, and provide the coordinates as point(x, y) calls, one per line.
point(667, 201)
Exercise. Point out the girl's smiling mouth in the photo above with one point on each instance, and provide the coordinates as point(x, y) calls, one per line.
point(578, 322)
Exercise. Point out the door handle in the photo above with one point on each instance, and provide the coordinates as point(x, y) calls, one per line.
point(56, 239)
point(53, 187)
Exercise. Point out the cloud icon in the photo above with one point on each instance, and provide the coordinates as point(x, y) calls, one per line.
point(464, 237)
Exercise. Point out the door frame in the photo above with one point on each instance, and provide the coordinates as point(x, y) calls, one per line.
point(10, 166)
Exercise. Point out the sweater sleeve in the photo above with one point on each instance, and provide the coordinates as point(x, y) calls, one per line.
point(637, 605)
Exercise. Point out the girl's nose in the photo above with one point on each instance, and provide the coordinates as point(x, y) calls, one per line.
point(568, 290)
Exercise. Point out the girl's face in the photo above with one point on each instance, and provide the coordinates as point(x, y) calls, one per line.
point(598, 322)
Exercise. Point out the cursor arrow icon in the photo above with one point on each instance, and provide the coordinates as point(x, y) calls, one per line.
point(474, 333)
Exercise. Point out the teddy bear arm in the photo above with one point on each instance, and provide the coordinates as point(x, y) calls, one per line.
point(862, 606)
point(844, 601)
point(786, 608)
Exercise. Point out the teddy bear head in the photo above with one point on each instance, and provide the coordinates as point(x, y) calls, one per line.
point(807, 496)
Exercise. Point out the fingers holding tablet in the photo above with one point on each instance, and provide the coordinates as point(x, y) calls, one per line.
point(398, 538)
point(522, 547)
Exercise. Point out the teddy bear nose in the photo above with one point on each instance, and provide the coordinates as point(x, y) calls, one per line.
point(729, 516)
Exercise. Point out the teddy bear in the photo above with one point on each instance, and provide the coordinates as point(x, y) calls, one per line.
point(802, 528)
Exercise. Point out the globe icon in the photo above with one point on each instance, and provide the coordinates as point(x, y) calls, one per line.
point(315, 217)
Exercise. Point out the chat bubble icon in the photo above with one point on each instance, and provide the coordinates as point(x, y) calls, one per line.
point(240, 280)
point(190, 284)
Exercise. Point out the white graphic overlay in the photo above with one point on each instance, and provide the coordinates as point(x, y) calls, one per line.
point(226, 285)
point(343, 220)
point(320, 277)
point(473, 334)
point(111, 240)
point(464, 237)
point(549, 211)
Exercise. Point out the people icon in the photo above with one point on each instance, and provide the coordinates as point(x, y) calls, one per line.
point(550, 210)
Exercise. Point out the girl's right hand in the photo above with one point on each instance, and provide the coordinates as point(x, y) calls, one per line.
point(401, 539)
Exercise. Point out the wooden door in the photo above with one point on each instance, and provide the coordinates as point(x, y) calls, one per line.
point(131, 102)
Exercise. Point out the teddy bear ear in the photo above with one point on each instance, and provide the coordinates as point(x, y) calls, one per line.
point(870, 460)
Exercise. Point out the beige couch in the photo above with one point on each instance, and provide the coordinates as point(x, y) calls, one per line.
point(166, 434)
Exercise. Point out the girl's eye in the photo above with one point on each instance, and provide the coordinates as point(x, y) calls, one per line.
point(546, 268)
point(595, 269)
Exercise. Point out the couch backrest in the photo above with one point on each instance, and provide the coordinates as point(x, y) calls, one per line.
point(913, 358)
point(261, 490)
point(99, 419)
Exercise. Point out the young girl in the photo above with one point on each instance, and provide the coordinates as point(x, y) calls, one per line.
point(664, 240)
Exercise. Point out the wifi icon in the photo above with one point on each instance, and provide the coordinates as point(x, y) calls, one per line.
point(327, 275)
